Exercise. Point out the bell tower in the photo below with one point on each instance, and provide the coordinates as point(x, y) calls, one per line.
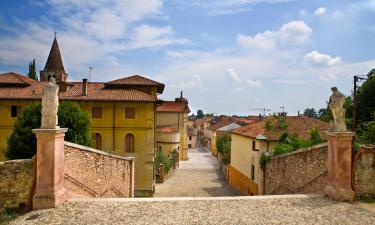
point(54, 66)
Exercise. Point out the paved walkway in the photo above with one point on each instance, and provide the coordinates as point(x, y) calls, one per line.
point(197, 177)
point(297, 209)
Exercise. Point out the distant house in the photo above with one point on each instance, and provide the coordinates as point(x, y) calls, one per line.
point(192, 137)
point(171, 126)
point(223, 125)
point(249, 142)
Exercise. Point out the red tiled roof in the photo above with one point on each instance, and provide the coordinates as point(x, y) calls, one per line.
point(299, 125)
point(14, 79)
point(173, 106)
point(166, 129)
point(95, 91)
point(136, 80)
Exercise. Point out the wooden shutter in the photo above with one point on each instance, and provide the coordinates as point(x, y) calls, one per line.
point(130, 113)
point(129, 143)
point(97, 112)
point(98, 141)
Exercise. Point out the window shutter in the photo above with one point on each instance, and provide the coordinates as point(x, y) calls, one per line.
point(130, 113)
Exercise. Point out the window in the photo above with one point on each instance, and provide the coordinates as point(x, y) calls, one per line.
point(254, 146)
point(97, 112)
point(129, 143)
point(252, 172)
point(189, 145)
point(98, 140)
point(129, 113)
point(15, 111)
point(189, 138)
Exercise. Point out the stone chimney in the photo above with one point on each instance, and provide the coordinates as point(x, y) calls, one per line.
point(84, 87)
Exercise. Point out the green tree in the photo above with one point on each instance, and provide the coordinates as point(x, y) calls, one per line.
point(310, 112)
point(32, 72)
point(22, 142)
point(200, 114)
point(365, 99)
point(223, 144)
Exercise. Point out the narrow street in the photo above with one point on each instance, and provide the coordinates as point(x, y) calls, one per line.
point(197, 177)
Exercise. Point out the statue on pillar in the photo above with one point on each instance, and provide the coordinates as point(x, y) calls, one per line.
point(336, 104)
point(50, 105)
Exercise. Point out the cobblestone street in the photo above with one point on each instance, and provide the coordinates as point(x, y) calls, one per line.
point(197, 177)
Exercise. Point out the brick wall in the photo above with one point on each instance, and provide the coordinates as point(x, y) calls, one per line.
point(302, 171)
point(16, 182)
point(93, 173)
point(364, 173)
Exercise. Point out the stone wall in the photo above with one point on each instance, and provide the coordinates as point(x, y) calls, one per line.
point(364, 173)
point(16, 183)
point(93, 173)
point(299, 172)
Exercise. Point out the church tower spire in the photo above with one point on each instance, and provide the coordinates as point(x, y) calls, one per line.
point(54, 66)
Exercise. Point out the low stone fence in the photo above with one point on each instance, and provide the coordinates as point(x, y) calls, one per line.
point(223, 167)
point(16, 183)
point(97, 174)
point(363, 179)
point(300, 172)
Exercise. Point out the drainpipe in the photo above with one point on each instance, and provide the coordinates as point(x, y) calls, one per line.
point(113, 126)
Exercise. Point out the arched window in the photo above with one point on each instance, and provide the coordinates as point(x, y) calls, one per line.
point(129, 143)
point(98, 140)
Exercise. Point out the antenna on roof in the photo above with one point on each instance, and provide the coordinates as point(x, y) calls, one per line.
point(90, 68)
point(283, 107)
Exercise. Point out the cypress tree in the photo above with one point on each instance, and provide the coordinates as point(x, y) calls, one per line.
point(32, 72)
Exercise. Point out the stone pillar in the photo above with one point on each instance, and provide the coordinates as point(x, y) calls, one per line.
point(339, 186)
point(49, 190)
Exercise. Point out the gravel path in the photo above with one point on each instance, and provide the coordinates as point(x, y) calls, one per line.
point(248, 210)
point(197, 177)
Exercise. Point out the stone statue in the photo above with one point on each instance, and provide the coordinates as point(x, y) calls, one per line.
point(50, 105)
point(336, 104)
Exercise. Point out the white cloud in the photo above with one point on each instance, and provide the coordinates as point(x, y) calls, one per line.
point(287, 81)
point(149, 36)
point(318, 59)
point(320, 11)
point(254, 82)
point(292, 33)
point(232, 74)
point(222, 7)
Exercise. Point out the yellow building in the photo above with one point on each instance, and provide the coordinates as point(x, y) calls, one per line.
point(123, 112)
point(171, 122)
point(251, 141)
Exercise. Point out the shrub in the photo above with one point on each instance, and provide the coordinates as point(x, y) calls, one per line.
point(167, 165)
point(22, 142)
point(223, 145)
point(367, 133)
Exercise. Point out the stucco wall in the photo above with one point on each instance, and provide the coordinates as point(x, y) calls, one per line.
point(364, 173)
point(16, 182)
point(93, 173)
point(302, 171)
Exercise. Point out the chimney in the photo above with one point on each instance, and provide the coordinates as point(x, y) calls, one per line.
point(84, 87)
point(298, 112)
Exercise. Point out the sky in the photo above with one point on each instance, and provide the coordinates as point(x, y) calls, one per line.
point(227, 56)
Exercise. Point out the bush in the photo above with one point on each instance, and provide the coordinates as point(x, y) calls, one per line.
point(160, 157)
point(22, 142)
point(223, 145)
point(367, 133)
point(167, 165)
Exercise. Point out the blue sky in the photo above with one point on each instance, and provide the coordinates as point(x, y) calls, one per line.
point(228, 56)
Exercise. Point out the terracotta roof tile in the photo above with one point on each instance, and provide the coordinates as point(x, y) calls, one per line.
point(166, 129)
point(173, 106)
point(136, 80)
point(14, 79)
point(96, 92)
point(299, 125)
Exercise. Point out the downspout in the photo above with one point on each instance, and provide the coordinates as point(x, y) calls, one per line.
point(113, 126)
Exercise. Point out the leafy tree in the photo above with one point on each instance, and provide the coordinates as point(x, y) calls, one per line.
point(367, 133)
point(200, 114)
point(223, 144)
point(365, 99)
point(32, 72)
point(310, 112)
point(325, 114)
point(22, 142)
